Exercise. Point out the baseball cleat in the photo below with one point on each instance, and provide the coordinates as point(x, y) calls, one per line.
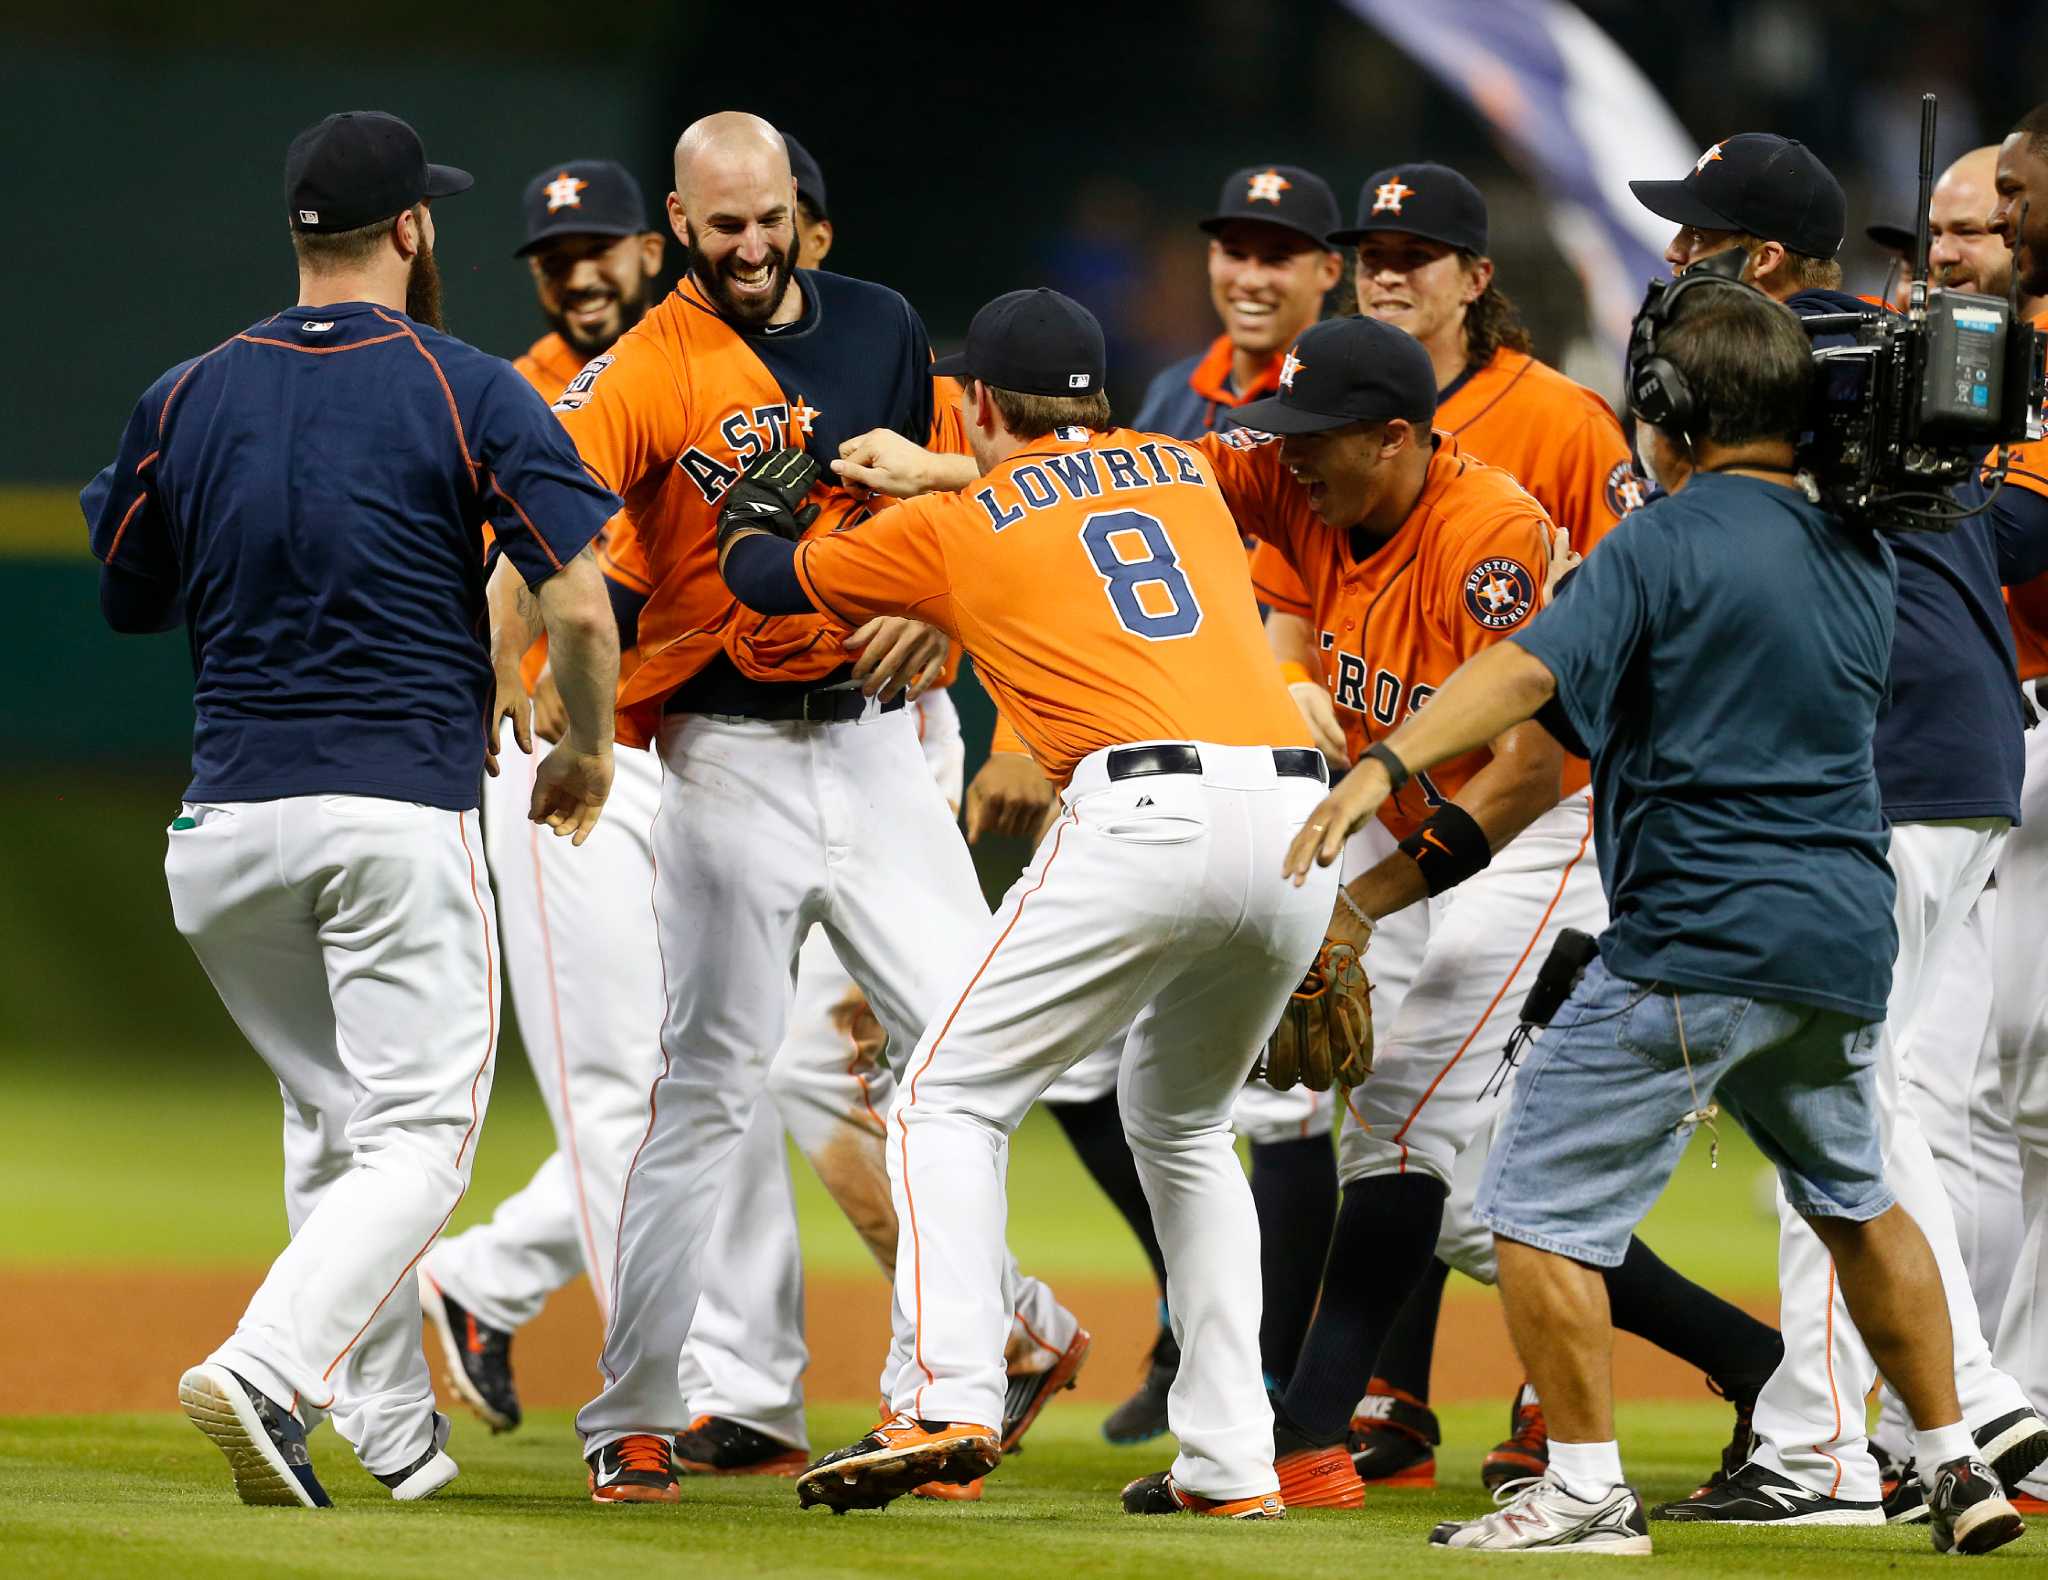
point(1142, 1417)
point(1525, 1451)
point(1313, 1475)
point(1159, 1493)
point(636, 1468)
point(264, 1442)
point(1393, 1439)
point(1030, 1392)
point(900, 1455)
point(1546, 1517)
point(950, 1491)
point(1904, 1499)
point(479, 1358)
point(1756, 1496)
point(2014, 1446)
point(716, 1446)
point(428, 1474)
point(1967, 1513)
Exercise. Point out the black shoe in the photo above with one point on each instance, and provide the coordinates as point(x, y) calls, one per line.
point(1393, 1439)
point(479, 1357)
point(1143, 1416)
point(428, 1474)
point(1525, 1452)
point(265, 1443)
point(1159, 1493)
point(2014, 1446)
point(1968, 1512)
point(900, 1455)
point(637, 1468)
point(716, 1446)
point(1029, 1392)
point(1905, 1500)
point(1756, 1496)
point(1743, 1438)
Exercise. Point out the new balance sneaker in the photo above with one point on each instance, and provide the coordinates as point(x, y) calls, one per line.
point(264, 1442)
point(713, 1445)
point(426, 1475)
point(898, 1456)
point(1393, 1439)
point(2014, 1446)
point(1967, 1513)
point(637, 1468)
point(1313, 1475)
point(1525, 1452)
point(479, 1357)
point(1159, 1493)
point(1756, 1496)
point(1548, 1517)
point(1030, 1392)
point(1142, 1417)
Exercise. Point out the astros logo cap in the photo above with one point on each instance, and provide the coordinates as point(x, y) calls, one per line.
point(1343, 371)
point(1430, 201)
point(358, 167)
point(1761, 185)
point(1034, 342)
point(1284, 195)
point(584, 197)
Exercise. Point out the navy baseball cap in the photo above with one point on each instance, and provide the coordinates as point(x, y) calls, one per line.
point(1893, 238)
point(1285, 195)
point(1347, 370)
point(585, 197)
point(810, 180)
point(1034, 342)
point(1759, 184)
point(1431, 201)
point(358, 167)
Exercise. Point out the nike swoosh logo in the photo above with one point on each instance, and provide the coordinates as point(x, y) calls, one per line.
point(1430, 839)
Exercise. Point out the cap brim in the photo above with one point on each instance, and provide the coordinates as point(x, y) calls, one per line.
point(953, 367)
point(546, 234)
point(1674, 200)
point(446, 181)
point(1273, 415)
point(1895, 237)
point(1214, 224)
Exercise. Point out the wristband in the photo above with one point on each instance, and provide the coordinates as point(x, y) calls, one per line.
point(1449, 848)
point(1397, 771)
point(1294, 674)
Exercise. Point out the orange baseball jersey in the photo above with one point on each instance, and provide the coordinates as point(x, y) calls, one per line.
point(2028, 604)
point(548, 365)
point(1465, 569)
point(1099, 583)
point(1555, 437)
point(672, 415)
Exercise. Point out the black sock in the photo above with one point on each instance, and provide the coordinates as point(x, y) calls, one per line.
point(1657, 1303)
point(1410, 1347)
point(1294, 1186)
point(1384, 1243)
point(1096, 1130)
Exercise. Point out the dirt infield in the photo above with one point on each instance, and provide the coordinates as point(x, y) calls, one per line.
point(109, 1339)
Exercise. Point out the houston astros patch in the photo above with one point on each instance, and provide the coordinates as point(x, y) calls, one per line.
point(1499, 593)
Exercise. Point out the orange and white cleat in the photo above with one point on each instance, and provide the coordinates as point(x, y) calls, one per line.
point(1159, 1493)
point(637, 1468)
point(899, 1456)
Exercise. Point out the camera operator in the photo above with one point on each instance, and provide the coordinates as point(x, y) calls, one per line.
point(1948, 756)
point(1742, 847)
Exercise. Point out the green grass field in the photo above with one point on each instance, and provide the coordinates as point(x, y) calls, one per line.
point(146, 1495)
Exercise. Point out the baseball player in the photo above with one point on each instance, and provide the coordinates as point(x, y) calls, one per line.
point(1098, 580)
point(310, 498)
point(1421, 236)
point(1270, 270)
point(1949, 755)
point(791, 797)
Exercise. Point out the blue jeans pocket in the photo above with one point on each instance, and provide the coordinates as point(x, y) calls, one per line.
point(1662, 1027)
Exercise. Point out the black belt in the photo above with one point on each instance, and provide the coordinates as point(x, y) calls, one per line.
point(1137, 762)
point(810, 707)
point(719, 688)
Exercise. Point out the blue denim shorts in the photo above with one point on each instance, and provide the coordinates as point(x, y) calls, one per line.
point(1598, 1118)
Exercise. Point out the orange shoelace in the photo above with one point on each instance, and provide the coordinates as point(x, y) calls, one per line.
point(643, 1451)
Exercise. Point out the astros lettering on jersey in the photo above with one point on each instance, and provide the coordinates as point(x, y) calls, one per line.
point(1553, 436)
point(1099, 582)
point(1465, 569)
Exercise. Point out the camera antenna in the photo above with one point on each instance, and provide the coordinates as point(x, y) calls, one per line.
point(1917, 298)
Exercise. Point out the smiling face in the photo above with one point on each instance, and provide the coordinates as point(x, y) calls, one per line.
point(2021, 187)
point(1267, 284)
point(1418, 285)
point(1347, 472)
point(1964, 252)
point(734, 207)
point(594, 288)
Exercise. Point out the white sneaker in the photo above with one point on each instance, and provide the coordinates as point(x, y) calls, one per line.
point(1547, 1517)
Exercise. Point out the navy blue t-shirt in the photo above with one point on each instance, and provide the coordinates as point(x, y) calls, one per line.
point(1723, 657)
point(311, 496)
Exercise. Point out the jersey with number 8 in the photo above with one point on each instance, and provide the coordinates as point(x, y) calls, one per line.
point(1100, 584)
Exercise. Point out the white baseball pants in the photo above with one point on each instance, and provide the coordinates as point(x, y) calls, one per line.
point(765, 830)
point(352, 940)
point(1810, 1415)
point(1155, 902)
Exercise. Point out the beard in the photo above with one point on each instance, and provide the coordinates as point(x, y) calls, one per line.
point(423, 292)
point(716, 281)
point(631, 309)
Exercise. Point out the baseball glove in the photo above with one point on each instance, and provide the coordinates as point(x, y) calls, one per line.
point(769, 496)
point(1324, 1038)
